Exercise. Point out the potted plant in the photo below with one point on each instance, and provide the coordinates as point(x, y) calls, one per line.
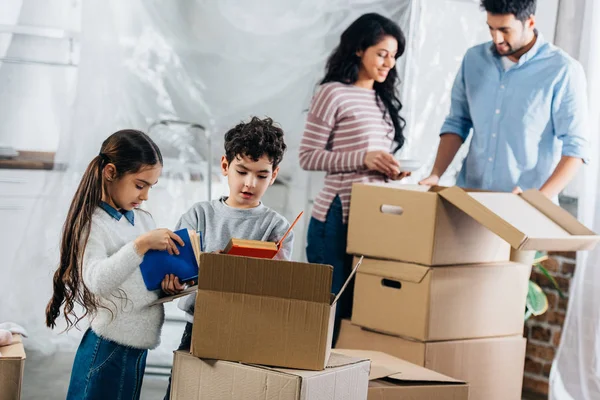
point(537, 301)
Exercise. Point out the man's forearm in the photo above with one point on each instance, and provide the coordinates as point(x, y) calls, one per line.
point(562, 175)
point(449, 145)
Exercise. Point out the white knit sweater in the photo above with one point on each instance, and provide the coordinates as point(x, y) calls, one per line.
point(111, 271)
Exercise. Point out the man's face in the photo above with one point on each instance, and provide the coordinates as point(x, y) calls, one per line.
point(509, 34)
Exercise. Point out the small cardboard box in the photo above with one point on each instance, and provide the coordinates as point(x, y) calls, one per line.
point(12, 365)
point(393, 378)
point(260, 311)
point(345, 378)
point(441, 303)
point(446, 226)
point(493, 367)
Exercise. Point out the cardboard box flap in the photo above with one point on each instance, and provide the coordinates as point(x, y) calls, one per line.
point(386, 366)
point(261, 277)
point(526, 222)
point(336, 360)
point(336, 298)
point(14, 351)
point(405, 272)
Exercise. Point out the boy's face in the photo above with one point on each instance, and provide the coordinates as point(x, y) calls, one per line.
point(248, 179)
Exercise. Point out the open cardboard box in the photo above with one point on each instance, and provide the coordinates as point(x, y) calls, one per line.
point(12, 365)
point(393, 378)
point(261, 311)
point(345, 378)
point(447, 226)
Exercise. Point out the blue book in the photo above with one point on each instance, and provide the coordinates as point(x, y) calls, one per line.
point(158, 263)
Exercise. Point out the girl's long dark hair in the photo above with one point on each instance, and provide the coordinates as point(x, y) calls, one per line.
point(129, 150)
point(343, 64)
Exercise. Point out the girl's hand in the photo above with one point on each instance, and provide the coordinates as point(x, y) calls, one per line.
point(158, 239)
point(171, 284)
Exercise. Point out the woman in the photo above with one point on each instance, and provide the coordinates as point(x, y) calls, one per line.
point(352, 130)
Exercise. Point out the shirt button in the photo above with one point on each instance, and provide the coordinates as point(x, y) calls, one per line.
point(498, 111)
point(501, 86)
point(493, 135)
point(490, 159)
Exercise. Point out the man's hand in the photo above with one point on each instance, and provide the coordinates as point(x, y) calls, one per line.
point(517, 190)
point(431, 180)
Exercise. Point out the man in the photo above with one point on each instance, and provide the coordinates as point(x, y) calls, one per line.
point(525, 101)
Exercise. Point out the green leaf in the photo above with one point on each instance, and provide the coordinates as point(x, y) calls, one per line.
point(554, 283)
point(537, 302)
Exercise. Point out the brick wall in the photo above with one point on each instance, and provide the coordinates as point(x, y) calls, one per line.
point(543, 332)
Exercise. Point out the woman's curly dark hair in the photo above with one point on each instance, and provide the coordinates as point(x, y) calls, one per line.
point(255, 139)
point(343, 64)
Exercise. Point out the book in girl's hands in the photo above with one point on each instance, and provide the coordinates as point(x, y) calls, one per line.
point(158, 263)
point(257, 248)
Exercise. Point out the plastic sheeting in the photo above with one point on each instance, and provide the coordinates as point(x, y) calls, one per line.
point(575, 373)
point(214, 64)
point(207, 63)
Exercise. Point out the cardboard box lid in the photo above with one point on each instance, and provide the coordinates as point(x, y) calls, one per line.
point(385, 366)
point(405, 272)
point(263, 277)
point(529, 221)
point(14, 351)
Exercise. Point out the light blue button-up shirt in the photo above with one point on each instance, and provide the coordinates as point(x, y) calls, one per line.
point(523, 119)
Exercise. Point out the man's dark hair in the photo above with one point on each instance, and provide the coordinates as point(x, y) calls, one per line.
point(521, 9)
point(255, 139)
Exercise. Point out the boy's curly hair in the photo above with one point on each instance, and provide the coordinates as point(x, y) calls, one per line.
point(254, 139)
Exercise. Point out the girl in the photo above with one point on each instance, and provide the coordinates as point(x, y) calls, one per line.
point(104, 239)
point(352, 130)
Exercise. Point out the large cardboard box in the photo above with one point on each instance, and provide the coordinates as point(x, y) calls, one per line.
point(12, 365)
point(493, 367)
point(441, 303)
point(345, 378)
point(267, 312)
point(445, 226)
point(393, 378)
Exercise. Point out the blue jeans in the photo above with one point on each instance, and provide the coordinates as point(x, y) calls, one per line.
point(326, 244)
point(106, 370)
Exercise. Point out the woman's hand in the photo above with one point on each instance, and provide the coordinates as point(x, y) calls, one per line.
point(383, 162)
point(158, 239)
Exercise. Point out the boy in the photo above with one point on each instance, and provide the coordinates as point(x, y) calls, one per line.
point(253, 151)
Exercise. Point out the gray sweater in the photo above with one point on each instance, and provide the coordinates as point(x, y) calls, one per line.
point(219, 222)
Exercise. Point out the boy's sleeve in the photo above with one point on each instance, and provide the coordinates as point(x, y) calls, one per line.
point(189, 220)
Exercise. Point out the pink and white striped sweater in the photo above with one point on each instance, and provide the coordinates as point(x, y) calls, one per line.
point(344, 123)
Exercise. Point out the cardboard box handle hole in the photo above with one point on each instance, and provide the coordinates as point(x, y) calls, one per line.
point(391, 283)
point(390, 209)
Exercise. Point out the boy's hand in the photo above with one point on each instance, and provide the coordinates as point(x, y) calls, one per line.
point(171, 284)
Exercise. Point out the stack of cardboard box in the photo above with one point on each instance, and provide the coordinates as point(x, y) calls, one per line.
point(438, 288)
point(263, 329)
point(12, 365)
